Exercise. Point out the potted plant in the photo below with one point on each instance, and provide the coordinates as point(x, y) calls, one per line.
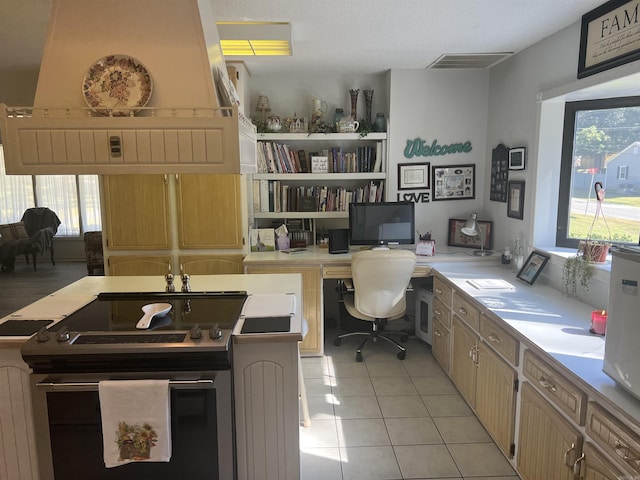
point(135, 441)
point(579, 269)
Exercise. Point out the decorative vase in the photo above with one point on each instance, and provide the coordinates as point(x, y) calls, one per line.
point(354, 102)
point(339, 115)
point(368, 99)
point(380, 123)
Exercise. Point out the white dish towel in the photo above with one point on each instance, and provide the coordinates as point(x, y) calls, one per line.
point(136, 421)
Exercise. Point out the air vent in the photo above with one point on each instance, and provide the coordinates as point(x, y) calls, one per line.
point(468, 60)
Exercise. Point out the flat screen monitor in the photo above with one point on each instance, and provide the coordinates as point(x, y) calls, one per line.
point(382, 223)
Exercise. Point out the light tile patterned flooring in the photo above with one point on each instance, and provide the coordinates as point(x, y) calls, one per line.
point(391, 419)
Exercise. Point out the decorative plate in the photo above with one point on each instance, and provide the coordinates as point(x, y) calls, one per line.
point(115, 82)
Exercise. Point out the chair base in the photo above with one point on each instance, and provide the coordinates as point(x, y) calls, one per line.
point(374, 335)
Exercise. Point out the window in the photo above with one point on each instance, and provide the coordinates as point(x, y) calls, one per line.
point(75, 199)
point(600, 143)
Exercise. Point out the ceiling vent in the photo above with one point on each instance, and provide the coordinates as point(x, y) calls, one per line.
point(468, 60)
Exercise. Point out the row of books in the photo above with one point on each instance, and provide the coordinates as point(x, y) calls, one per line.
point(275, 196)
point(280, 158)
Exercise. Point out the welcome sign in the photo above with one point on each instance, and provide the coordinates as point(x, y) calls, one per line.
point(419, 148)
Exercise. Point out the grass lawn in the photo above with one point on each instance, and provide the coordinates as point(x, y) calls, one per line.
point(619, 228)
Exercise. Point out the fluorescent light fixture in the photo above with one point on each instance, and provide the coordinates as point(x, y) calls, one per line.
point(255, 38)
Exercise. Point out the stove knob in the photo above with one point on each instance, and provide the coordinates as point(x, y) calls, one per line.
point(215, 333)
point(43, 335)
point(195, 333)
point(63, 335)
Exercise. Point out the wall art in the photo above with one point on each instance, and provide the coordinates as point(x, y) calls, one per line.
point(515, 203)
point(499, 174)
point(413, 176)
point(454, 182)
point(456, 238)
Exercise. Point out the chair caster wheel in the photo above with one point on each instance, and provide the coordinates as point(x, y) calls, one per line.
point(337, 342)
point(358, 357)
point(404, 338)
point(401, 355)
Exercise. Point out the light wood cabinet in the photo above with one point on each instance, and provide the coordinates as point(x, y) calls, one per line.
point(464, 309)
point(311, 301)
point(496, 387)
point(441, 312)
point(548, 445)
point(443, 291)
point(592, 465)
point(212, 264)
point(441, 345)
point(499, 339)
point(464, 351)
point(124, 265)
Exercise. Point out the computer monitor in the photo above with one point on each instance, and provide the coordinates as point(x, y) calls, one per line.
point(382, 223)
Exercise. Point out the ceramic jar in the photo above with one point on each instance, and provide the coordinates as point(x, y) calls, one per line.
point(348, 125)
point(380, 123)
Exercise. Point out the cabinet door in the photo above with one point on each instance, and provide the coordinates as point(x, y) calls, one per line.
point(209, 211)
point(597, 467)
point(463, 360)
point(441, 345)
point(496, 397)
point(311, 301)
point(548, 445)
point(139, 265)
point(212, 264)
point(136, 212)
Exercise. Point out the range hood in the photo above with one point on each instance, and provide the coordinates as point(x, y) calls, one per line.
point(190, 123)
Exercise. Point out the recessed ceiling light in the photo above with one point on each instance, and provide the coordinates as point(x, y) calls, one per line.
point(255, 38)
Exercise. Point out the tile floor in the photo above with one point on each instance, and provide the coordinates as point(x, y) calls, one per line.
point(391, 419)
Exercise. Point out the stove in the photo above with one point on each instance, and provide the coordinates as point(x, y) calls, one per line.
point(102, 336)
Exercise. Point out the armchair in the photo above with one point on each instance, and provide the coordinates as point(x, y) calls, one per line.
point(380, 280)
point(41, 225)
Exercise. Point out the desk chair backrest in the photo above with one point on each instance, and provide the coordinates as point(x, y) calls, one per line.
point(380, 278)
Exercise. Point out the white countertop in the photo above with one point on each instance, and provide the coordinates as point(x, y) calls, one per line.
point(554, 323)
point(67, 300)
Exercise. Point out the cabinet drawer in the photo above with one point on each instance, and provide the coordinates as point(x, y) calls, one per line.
point(499, 339)
point(595, 465)
point(441, 345)
point(614, 437)
point(337, 271)
point(441, 312)
point(443, 291)
point(564, 394)
point(466, 311)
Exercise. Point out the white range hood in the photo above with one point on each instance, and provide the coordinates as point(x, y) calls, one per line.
point(187, 126)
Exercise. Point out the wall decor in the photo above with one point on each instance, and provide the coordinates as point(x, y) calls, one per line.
point(319, 164)
point(515, 203)
point(532, 268)
point(517, 158)
point(454, 182)
point(419, 148)
point(456, 238)
point(609, 37)
point(416, 197)
point(499, 173)
point(413, 176)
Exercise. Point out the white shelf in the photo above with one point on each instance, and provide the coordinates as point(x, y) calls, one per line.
point(319, 176)
point(301, 214)
point(274, 137)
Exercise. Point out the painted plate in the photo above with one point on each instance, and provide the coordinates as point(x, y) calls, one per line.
point(115, 82)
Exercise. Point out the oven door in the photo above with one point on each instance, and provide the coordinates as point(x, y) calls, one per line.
point(69, 430)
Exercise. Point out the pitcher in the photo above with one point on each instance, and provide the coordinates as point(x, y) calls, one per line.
point(319, 107)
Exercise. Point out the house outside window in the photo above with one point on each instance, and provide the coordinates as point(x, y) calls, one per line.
point(601, 143)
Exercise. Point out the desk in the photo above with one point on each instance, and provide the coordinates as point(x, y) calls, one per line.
point(316, 265)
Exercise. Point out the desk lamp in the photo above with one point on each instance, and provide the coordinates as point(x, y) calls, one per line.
point(471, 228)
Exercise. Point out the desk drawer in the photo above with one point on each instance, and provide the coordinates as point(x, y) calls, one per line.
point(466, 311)
point(337, 271)
point(564, 394)
point(441, 312)
point(442, 291)
point(616, 439)
point(499, 339)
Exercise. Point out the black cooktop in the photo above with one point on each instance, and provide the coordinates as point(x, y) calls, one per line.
point(117, 312)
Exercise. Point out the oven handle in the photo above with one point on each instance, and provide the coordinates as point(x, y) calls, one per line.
point(93, 386)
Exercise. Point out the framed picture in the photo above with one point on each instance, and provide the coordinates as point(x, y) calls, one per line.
point(413, 176)
point(454, 182)
point(517, 158)
point(608, 38)
point(499, 173)
point(515, 199)
point(456, 238)
point(319, 164)
point(263, 240)
point(532, 267)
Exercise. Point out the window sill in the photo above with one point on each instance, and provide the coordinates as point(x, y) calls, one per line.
point(559, 255)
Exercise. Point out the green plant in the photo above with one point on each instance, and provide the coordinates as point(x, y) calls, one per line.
point(577, 270)
point(135, 440)
point(365, 128)
point(261, 125)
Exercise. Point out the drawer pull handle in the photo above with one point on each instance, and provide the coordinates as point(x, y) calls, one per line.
point(623, 450)
point(546, 384)
point(437, 333)
point(495, 338)
point(438, 291)
point(568, 457)
point(437, 312)
point(462, 311)
point(577, 467)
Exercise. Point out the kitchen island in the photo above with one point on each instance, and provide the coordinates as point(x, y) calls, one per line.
point(258, 359)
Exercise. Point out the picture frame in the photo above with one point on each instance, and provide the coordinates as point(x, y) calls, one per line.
point(532, 268)
point(453, 182)
point(319, 164)
point(263, 240)
point(499, 174)
point(413, 176)
point(517, 158)
point(456, 238)
point(606, 40)
point(515, 199)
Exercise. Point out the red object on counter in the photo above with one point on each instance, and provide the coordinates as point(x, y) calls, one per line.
point(598, 322)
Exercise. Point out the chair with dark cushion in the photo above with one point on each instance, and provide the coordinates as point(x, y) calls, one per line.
point(41, 224)
point(93, 251)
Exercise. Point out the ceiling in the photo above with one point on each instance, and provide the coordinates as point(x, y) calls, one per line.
point(354, 36)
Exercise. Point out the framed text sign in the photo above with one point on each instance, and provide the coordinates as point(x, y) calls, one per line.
point(610, 36)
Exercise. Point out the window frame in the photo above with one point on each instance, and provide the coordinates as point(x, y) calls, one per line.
point(566, 159)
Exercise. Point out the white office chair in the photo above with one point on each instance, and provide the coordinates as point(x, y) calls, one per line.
point(380, 280)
